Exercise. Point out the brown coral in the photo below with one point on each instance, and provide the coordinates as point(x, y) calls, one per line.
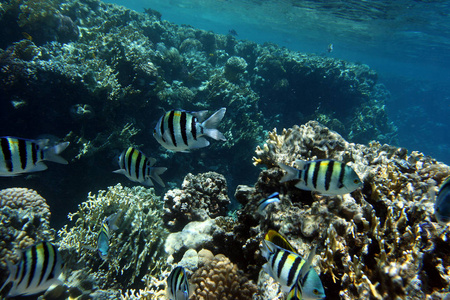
point(202, 196)
point(219, 278)
point(24, 219)
point(379, 242)
point(25, 199)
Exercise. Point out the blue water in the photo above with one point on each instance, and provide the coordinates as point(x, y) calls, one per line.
point(406, 42)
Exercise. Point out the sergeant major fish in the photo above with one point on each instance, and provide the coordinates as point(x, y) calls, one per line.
point(105, 234)
point(181, 131)
point(442, 204)
point(38, 268)
point(328, 177)
point(138, 168)
point(178, 285)
point(18, 156)
point(289, 269)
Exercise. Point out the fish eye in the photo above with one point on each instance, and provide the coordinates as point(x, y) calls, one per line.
point(316, 291)
point(356, 181)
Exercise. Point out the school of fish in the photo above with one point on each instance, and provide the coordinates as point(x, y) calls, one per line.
point(178, 130)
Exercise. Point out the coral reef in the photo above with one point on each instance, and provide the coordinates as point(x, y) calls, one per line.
point(127, 65)
point(136, 247)
point(218, 278)
point(380, 242)
point(201, 197)
point(25, 220)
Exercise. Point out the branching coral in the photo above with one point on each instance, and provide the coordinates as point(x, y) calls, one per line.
point(136, 248)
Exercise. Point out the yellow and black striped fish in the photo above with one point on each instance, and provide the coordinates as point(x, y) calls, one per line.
point(178, 285)
point(18, 156)
point(138, 168)
point(289, 269)
point(328, 177)
point(279, 240)
point(181, 131)
point(38, 268)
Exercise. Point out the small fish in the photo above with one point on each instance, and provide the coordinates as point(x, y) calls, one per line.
point(279, 240)
point(330, 48)
point(442, 204)
point(178, 285)
point(105, 234)
point(18, 156)
point(181, 131)
point(38, 268)
point(27, 36)
point(233, 32)
point(328, 177)
point(274, 198)
point(289, 269)
point(138, 168)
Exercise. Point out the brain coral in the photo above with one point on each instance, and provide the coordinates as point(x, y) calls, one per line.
point(219, 278)
point(202, 196)
point(24, 219)
point(26, 200)
point(136, 247)
point(380, 242)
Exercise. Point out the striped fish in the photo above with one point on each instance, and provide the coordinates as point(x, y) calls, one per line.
point(289, 269)
point(279, 240)
point(181, 131)
point(328, 177)
point(295, 293)
point(105, 234)
point(138, 168)
point(38, 268)
point(19, 155)
point(274, 198)
point(178, 285)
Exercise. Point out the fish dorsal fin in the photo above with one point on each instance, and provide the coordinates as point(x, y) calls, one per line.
point(307, 265)
point(279, 240)
point(200, 115)
point(300, 163)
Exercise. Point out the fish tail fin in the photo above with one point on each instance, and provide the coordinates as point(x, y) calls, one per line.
point(52, 153)
point(12, 270)
point(212, 122)
point(155, 172)
point(291, 173)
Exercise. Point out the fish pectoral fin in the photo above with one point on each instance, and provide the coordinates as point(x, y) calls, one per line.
point(120, 171)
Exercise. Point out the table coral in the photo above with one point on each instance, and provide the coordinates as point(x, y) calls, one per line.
point(136, 247)
point(201, 197)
